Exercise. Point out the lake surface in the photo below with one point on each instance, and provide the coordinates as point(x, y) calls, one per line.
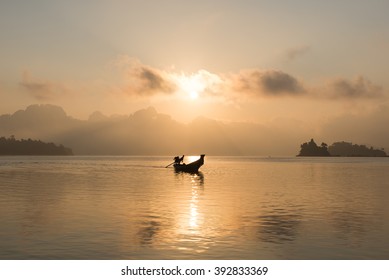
point(235, 208)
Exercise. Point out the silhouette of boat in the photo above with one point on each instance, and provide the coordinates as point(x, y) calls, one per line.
point(192, 167)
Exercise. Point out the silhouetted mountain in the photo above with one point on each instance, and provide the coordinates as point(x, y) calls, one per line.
point(11, 146)
point(97, 117)
point(145, 132)
point(46, 122)
point(148, 132)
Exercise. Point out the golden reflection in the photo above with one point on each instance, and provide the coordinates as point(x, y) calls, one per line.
point(182, 224)
point(190, 226)
point(194, 203)
point(194, 215)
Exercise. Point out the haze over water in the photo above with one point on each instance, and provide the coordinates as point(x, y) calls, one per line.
point(235, 208)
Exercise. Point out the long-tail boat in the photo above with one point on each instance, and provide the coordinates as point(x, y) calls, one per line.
point(192, 167)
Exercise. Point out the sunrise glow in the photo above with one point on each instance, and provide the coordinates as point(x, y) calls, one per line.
point(236, 62)
point(194, 130)
point(196, 84)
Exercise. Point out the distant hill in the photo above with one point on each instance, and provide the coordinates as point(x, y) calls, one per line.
point(45, 122)
point(344, 149)
point(11, 146)
point(149, 132)
point(146, 132)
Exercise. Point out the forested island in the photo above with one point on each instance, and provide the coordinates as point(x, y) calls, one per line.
point(12, 146)
point(340, 149)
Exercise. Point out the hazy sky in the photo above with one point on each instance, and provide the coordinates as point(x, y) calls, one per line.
point(268, 62)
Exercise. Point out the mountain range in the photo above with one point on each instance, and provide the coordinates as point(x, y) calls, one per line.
point(145, 132)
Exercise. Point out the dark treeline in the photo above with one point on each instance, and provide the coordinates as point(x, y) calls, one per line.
point(12, 146)
point(346, 149)
point(343, 149)
point(312, 149)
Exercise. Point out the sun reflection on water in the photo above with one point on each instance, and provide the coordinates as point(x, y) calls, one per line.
point(193, 218)
point(193, 214)
point(190, 230)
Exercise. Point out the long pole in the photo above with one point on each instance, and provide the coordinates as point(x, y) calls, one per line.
point(169, 164)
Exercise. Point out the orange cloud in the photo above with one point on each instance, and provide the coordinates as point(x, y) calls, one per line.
point(142, 80)
point(40, 90)
point(145, 81)
point(148, 81)
point(359, 88)
point(266, 83)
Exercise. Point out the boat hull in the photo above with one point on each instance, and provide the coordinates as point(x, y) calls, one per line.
point(192, 167)
point(184, 168)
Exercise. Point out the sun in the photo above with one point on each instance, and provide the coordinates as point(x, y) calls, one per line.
point(194, 94)
point(196, 85)
point(192, 85)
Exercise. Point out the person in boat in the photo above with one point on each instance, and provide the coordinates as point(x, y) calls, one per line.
point(178, 160)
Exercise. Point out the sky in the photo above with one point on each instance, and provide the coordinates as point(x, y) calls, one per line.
point(321, 64)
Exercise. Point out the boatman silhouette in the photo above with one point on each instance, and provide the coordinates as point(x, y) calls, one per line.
point(178, 160)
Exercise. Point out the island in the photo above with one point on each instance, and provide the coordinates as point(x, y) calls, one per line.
point(311, 149)
point(339, 149)
point(11, 146)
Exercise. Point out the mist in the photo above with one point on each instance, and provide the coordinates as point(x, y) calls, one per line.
point(148, 132)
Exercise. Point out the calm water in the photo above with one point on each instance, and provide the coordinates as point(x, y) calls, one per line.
point(236, 208)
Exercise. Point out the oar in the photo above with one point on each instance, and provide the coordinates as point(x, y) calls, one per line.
point(169, 164)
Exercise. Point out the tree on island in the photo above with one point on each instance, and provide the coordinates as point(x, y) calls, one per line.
point(310, 149)
point(12, 146)
point(348, 149)
point(342, 149)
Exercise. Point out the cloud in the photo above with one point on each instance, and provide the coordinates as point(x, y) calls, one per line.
point(271, 83)
point(40, 90)
point(149, 81)
point(145, 81)
point(296, 52)
point(353, 89)
point(267, 83)
point(202, 82)
point(142, 80)
point(276, 82)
